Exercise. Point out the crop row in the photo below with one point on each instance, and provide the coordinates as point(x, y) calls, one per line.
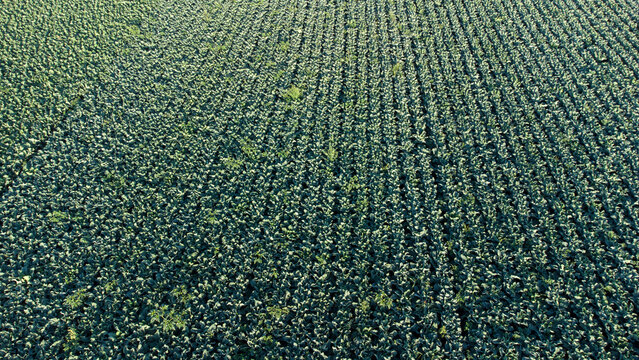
point(51, 54)
point(341, 179)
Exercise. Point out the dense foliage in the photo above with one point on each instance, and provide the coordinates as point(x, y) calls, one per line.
point(274, 179)
point(51, 54)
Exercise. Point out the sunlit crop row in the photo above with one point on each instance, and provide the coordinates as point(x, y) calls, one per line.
point(321, 179)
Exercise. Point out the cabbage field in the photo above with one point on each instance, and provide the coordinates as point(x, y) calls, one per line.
point(319, 179)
